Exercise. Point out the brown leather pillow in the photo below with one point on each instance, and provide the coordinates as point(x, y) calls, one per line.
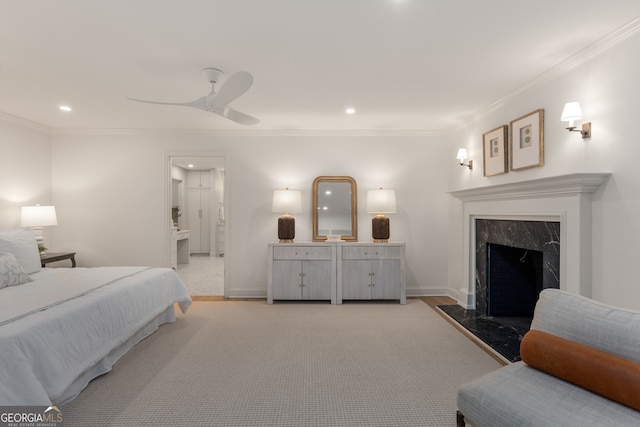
point(606, 374)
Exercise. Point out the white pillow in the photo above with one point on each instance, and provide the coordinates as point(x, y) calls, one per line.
point(22, 243)
point(11, 273)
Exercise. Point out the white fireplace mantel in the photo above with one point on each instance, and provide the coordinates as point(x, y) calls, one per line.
point(565, 198)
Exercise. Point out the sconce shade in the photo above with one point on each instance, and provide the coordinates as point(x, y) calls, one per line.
point(287, 201)
point(462, 155)
point(381, 201)
point(571, 112)
point(38, 216)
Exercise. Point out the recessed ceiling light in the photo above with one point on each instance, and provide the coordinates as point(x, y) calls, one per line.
point(350, 110)
point(190, 166)
point(65, 108)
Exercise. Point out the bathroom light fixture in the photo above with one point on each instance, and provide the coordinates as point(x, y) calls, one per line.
point(286, 202)
point(350, 110)
point(37, 217)
point(65, 108)
point(462, 156)
point(571, 113)
point(381, 201)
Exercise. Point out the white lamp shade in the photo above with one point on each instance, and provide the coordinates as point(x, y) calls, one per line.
point(381, 201)
point(38, 216)
point(462, 154)
point(571, 112)
point(287, 201)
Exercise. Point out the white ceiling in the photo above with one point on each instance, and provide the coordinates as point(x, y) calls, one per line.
point(402, 64)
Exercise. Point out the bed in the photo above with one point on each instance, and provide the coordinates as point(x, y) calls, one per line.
point(62, 327)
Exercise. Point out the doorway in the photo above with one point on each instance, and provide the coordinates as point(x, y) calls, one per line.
point(198, 215)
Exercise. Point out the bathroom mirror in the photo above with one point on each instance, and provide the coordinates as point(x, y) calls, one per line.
point(334, 208)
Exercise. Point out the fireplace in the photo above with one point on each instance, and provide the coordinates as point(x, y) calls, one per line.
point(515, 260)
point(540, 233)
point(564, 199)
point(514, 280)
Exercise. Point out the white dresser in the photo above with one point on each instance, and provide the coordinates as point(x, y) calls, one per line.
point(336, 271)
point(301, 272)
point(369, 271)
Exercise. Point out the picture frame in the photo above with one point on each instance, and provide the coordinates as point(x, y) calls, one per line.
point(494, 151)
point(526, 141)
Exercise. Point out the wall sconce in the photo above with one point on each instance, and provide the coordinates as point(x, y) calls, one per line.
point(286, 202)
point(462, 156)
point(571, 113)
point(37, 217)
point(381, 202)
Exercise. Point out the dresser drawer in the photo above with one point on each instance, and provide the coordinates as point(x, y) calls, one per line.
point(372, 252)
point(302, 252)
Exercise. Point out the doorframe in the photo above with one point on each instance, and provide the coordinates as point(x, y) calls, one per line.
point(169, 156)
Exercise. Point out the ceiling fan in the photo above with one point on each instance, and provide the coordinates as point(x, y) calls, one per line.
point(218, 102)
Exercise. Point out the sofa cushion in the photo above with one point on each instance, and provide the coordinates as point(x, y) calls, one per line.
point(608, 375)
point(519, 395)
point(591, 323)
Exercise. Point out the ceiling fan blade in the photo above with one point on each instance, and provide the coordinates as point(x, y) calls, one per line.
point(238, 117)
point(233, 87)
point(200, 103)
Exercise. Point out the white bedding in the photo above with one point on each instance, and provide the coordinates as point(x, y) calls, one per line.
point(69, 325)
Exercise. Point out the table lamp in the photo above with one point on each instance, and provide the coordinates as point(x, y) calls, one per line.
point(286, 202)
point(380, 201)
point(37, 217)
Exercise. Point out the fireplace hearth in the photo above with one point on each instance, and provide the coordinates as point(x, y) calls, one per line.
point(515, 260)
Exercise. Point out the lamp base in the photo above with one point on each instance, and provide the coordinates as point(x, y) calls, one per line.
point(380, 229)
point(286, 229)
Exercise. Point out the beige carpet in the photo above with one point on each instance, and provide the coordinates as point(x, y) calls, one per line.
point(246, 363)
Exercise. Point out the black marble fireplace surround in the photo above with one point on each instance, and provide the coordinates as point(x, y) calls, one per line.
point(537, 243)
point(543, 236)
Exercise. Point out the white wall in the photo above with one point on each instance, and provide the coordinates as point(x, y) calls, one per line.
point(25, 174)
point(111, 189)
point(607, 87)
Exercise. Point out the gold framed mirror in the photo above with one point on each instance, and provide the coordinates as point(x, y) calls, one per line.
point(335, 210)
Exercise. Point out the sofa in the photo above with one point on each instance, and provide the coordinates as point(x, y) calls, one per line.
point(580, 367)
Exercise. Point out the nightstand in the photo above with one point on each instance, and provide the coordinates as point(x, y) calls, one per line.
point(59, 256)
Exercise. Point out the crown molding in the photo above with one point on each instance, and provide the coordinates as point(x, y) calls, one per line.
point(19, 121)
point(250, 133)
point(589, 52)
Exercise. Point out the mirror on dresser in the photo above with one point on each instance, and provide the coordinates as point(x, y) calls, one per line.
point(334, 208)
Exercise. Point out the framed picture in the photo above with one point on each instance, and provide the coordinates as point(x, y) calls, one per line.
point(526, 141)
point(494, 151)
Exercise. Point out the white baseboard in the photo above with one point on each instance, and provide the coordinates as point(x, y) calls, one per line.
point(431, 291)
point(248, 293)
